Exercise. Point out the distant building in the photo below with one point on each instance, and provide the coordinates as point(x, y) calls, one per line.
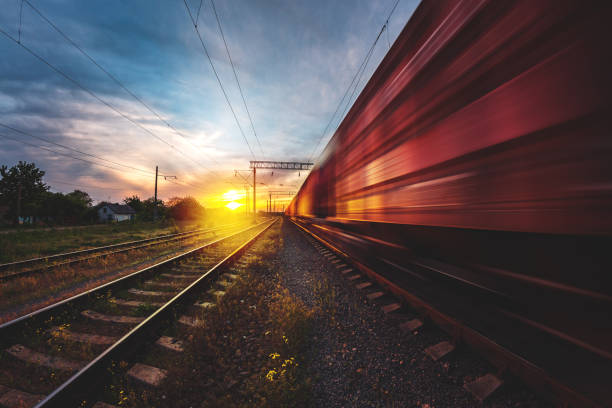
point(108, 212)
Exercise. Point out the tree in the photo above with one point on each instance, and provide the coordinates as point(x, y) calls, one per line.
point(135, 202)
point(22, 189)
point(187, 208)
point(81, 197)
point(71, 208)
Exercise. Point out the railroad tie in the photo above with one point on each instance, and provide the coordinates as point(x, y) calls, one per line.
point(375, 295)
point(100, 404)
point(140, 292)
point(184, 269)
point(230, 276)
point(345, 271)
point(111, 318)
point(224, 284)
point(99, 339)
point(191, 321)
point(482, 387)
point(341, 265)
point(162, 284)
point(390, 308)
point(440, 350)
point(30, 356)
point(217, 294)
point(177, 276)
point(354, 277)
point(135, 303)
point(10, 397)
point(147, 374)
point(363, 285)
point(411, 325)
point(170, 343)
point(205, 305)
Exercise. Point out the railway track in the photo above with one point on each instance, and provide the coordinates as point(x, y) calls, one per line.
point(564, 371)
point(57, 355)
point(28, 267)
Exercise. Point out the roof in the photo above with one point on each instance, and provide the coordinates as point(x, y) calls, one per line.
point(120, 208)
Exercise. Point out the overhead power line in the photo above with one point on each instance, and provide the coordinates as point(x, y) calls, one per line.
point(197, 30)
point(357, 75)
point(111, 76)
point(60, 153)
point(236, 76)
point(198, 15)
point(75, 150)
point(94, 95)
point(82, 185)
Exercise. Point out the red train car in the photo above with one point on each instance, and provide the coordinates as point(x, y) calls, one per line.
point(483, 141)
point(484, 114)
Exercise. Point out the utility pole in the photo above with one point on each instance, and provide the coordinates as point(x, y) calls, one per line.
point(254, 194)
point(18, 201)
point(155, 202)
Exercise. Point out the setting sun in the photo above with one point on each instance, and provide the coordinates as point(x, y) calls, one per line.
point(232, 195)
point(233, 205)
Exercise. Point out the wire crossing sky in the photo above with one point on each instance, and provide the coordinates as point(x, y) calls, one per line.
point(141, 94)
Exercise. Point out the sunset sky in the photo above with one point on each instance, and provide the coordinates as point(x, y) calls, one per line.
point(294, 60)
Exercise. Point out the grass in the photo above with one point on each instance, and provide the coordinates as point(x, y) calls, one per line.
point(34, 291)
point(32, 243)
point(251, 352)
point(28, 244)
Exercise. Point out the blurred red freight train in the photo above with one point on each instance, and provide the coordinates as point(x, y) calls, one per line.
point(483, 140)
point(484, 114)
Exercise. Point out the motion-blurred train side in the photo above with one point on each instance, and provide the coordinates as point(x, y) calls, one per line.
point(484, 114)
point(483, 141)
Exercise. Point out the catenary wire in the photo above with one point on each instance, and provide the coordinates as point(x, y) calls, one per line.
point(75, 150)
point(361, 67)
point(61, 153)
point(198, 15)
point(94, 95)
point(367, 60)
point(112, 77)
point(218, 79)
point(236, 76)
point(82, 185)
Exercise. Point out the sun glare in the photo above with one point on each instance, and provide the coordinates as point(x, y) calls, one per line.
point(233, 205)
point(232, 195)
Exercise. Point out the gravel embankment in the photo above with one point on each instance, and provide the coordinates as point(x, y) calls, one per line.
point(359, 357)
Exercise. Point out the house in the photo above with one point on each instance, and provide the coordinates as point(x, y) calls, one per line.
point(108, 212)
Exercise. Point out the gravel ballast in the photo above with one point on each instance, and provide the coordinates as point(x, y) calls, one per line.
point(359, 357)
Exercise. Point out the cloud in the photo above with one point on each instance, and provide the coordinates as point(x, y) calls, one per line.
point(294, 61)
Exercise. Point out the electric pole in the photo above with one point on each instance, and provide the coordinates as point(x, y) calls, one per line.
point(254, 194)
point(155, 202)
point(18, 201)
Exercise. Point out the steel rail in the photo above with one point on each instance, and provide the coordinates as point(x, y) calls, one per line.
point(499, 356)
point(71, 391)
point(112, 250)
point(42, 313)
